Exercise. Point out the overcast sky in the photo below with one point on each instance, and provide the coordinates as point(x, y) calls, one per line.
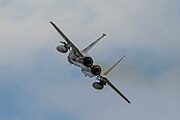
point(38, 83)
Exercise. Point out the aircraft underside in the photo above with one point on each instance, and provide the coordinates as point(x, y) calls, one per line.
point(85, 62)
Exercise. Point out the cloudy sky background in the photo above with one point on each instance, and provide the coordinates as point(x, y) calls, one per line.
point(37, 82)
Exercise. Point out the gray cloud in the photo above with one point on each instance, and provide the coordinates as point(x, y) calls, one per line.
point(128, 23)
point(146, 31)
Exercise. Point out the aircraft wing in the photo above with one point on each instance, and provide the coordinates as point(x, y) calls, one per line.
point(92, 44)
point(114, 88)
point(74, 48)
point(104, 79)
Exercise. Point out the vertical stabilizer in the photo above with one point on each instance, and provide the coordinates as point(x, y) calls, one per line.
point(110, 69)
point(92, 44)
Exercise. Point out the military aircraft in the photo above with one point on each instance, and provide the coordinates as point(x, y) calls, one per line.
point(81, 59)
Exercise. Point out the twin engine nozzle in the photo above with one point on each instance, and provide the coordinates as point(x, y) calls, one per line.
point(95, 69)
point(87, 61)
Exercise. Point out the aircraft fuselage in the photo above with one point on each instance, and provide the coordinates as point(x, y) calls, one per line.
point(78, 61)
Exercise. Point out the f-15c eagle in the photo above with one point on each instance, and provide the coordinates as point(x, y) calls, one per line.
point(81, 59)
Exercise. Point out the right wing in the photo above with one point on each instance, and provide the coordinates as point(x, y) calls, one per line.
point(104, 79)
point(92, 44)
point(74, 48)
point(114, 88)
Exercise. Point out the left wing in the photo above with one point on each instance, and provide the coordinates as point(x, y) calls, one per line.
point(74, 48)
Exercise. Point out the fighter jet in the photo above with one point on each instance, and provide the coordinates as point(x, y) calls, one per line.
point(81, 59)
